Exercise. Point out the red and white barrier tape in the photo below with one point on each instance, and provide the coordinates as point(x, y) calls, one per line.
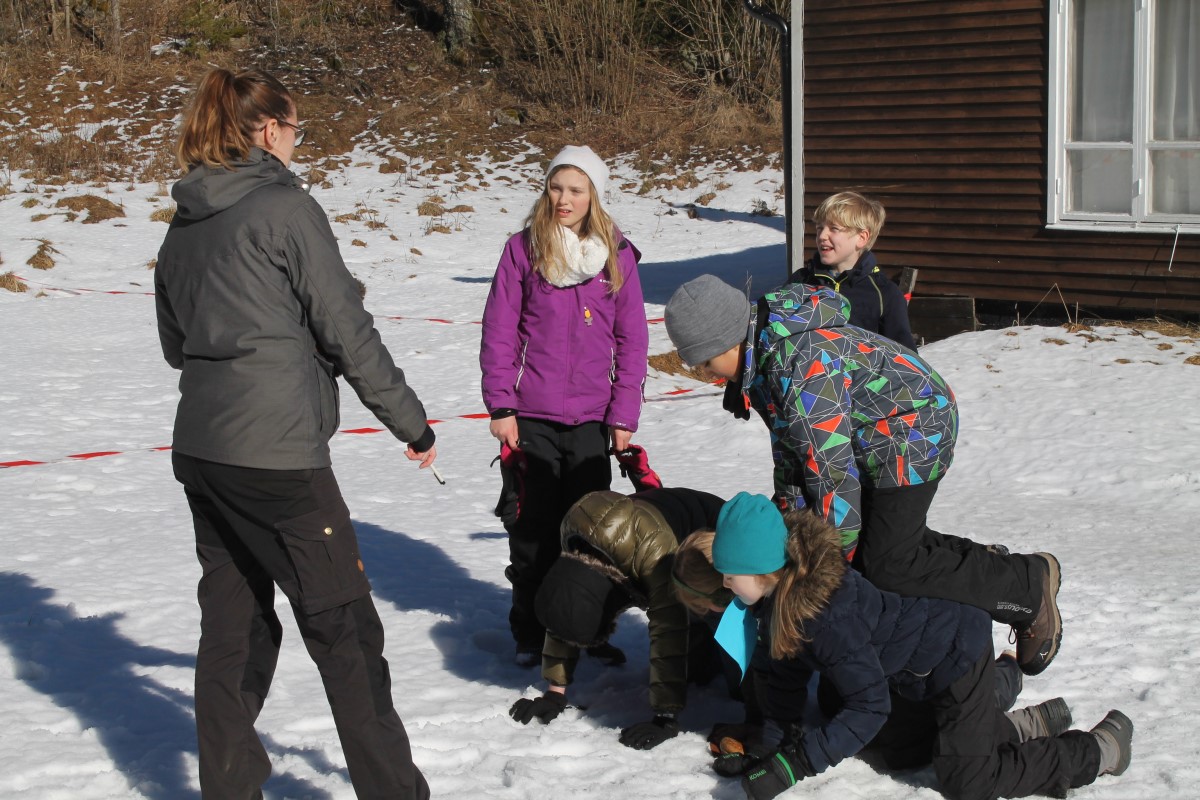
point(353, 431)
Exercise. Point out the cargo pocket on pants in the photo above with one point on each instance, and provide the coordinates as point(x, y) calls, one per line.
point(324, 554)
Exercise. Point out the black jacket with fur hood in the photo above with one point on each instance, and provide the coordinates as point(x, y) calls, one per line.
point(866, 643)
point(633, 539)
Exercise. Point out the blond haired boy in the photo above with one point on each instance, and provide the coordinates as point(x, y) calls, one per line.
point(847, 225)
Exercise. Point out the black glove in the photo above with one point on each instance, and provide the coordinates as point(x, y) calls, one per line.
point(737, 758)
point(775, 774)
point(545, 708)
point(734, 401)
point(648, 735)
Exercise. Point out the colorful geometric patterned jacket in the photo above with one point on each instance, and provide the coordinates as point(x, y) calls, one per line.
point(845, 407)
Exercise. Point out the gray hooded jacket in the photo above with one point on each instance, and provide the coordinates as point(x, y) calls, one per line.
point(257, 309)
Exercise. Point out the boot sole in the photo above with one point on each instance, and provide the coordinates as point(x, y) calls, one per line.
point(1055, 579)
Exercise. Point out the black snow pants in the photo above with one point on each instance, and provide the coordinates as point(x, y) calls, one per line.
point(977, 755)
point(898, 552)
point(256, 529)
point(562, 464)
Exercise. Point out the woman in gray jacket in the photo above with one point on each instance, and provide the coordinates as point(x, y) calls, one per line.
point(258, 311)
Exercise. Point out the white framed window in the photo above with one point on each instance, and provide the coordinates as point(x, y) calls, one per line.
point(1124, 132)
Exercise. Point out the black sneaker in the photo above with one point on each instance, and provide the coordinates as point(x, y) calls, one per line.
point(1038, 640)
point(1115, 733)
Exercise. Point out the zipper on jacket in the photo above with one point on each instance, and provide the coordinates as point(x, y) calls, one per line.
point(521, 371)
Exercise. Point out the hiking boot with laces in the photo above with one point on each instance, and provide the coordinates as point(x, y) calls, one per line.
point(1038, 640)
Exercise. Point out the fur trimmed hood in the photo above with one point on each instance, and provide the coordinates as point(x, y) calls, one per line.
point(815, 550)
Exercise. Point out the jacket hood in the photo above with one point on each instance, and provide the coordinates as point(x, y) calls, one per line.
point(795, 308)
point(792, 308)
point(206, 191)
point(817, 548)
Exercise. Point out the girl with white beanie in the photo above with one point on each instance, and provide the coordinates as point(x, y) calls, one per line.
point(563, 357)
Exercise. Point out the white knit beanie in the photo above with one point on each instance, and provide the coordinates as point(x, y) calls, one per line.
point(582, 158)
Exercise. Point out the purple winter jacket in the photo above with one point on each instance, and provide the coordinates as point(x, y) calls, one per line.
point(571, 355)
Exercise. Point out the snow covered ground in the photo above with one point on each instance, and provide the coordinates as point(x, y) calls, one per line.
point(1085, 443)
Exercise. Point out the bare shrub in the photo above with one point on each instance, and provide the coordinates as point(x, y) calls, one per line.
point(584, 58)
point(722, 44)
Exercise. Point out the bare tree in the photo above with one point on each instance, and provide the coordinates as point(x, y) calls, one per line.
point(460, 24)
point(114, 18)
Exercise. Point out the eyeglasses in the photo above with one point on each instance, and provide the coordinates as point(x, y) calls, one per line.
point(299, 131)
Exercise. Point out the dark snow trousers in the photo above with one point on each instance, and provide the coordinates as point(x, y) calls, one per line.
point(977, 755)
point(256, 529)
point(563, 463)
point(898, 552)
point(907, 737)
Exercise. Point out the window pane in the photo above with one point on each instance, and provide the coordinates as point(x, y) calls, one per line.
point(1102, 71)
point(1177, 71)
point(1175, 181)
point(1100, 181)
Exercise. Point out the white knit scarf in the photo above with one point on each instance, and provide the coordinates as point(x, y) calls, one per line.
point(584, 258)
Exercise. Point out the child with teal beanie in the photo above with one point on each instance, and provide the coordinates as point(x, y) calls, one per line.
point(752, 539)
point(816, 614)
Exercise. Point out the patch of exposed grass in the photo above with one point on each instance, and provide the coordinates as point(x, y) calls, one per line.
point(163, 214)
point(671, 364)
point(98, 209)
point(11, 283)
point(42, 259)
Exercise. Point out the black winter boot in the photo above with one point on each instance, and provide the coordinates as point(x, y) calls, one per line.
point(1038, 722)
point(1115, 734)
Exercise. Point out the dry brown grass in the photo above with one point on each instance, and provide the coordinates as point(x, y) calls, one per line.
point(164, 214)
point(98, 209)
point(11, 283)
point(671, 364)
point(358, 68)
point(42, 258)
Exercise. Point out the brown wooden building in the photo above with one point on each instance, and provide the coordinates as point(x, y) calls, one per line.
point(956, 116)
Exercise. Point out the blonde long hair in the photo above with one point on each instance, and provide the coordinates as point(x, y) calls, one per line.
point(225, 113)
point(545, 234)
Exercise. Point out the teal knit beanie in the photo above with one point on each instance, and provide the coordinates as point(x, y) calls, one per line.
point(751, 537)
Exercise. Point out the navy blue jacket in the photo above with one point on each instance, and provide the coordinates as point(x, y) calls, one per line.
point(876, 303)
point(867, 642)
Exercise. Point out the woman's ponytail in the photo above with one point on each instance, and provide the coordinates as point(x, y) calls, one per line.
point(225, 113)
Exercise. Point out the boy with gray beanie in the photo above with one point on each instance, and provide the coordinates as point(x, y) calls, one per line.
point(862, 429)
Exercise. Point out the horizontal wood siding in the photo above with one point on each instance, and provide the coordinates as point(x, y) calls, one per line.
point(939, 110)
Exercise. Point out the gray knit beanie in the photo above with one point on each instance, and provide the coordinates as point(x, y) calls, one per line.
point(705, 317)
